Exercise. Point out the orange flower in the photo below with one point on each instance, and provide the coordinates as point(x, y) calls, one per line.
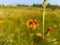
point(32, 24)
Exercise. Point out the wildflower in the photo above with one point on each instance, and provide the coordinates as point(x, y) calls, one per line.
point(37, 37)
point(32, 24)
point(38, 34)
point(48, 30)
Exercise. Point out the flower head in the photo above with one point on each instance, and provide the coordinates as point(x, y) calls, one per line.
point(32, 24)
point(38, 37)
point(49, 29)
point(38, 34)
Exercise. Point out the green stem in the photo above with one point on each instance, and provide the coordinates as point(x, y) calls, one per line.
point(44, 6)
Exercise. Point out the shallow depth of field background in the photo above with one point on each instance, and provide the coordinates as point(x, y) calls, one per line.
point(14, 29)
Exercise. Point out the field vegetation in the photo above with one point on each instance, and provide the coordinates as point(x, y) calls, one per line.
point(15, 31)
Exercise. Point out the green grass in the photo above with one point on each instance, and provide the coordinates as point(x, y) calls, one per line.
point(14, 30)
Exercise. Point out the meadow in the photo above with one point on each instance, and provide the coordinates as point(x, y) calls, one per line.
point(14, 29)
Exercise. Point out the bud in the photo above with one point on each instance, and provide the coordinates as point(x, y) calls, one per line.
point(49, 29)
point(38, 34)
point(37, 37)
